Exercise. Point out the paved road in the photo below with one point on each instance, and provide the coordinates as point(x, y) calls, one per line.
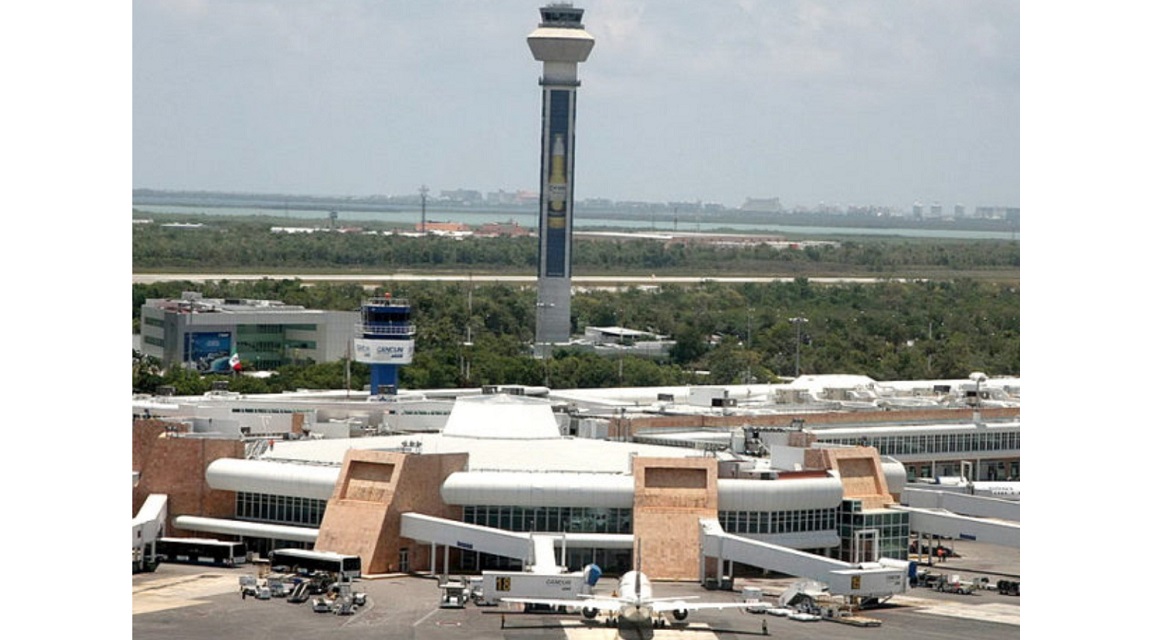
point(372, 279)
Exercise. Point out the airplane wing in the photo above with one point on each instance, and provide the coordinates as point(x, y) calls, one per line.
point(665, 605)
point(603, 604)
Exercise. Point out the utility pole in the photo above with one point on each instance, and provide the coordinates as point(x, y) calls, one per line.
point(423, 208)
point(747, 372)
point(798, 321)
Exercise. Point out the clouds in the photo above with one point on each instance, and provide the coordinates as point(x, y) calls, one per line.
point(869, 101)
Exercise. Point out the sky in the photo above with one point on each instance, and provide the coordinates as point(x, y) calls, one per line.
point(860, 102)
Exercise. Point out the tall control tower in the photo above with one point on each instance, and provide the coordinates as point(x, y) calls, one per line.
point(559, 42)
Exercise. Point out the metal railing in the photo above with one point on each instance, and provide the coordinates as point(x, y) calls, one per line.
point(386, 329)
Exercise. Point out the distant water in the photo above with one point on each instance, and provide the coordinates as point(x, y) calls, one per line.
point(529, 220)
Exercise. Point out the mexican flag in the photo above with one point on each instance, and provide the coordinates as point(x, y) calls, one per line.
point(234, 361)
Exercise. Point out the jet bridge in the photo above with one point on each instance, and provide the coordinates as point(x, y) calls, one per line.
point(863, 580)
point(147, 529)
point(534, 550)
point(952, 525)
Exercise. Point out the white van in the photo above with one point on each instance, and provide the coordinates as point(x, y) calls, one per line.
point(753, 597)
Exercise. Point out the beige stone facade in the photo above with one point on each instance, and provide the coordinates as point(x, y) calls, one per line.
point(671, 495)
point(859, 470)
point(374, 489)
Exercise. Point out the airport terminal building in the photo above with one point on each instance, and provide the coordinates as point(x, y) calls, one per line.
point(502, 462)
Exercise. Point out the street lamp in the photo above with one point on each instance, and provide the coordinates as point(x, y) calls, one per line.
point(798, 321)
point(978, 377)
point(747, 372)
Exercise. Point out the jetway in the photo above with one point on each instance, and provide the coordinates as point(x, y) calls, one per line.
point(535, 550)
point(951, 525)
point(962, 503)
point(863, 580)
point(147, 529)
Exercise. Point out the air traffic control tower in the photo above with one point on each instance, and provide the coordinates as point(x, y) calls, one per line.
point(386, 342)
point(559, 42)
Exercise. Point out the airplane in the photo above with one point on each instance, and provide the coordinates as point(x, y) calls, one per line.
point(634, 605)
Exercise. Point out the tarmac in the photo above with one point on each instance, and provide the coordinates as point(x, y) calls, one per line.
point(187, 602)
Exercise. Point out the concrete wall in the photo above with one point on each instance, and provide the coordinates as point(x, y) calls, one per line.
point(374, 489)
point(671, 495)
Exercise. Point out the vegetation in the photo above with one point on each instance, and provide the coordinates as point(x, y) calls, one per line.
point(734, 332)
point(942, 309)
point(249, 245)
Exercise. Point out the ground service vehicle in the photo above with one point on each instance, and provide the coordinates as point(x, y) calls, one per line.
point(1008, 587)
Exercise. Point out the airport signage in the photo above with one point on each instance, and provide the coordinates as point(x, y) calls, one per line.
point(383, 351)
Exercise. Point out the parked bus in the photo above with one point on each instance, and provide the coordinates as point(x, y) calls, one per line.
point(224, 553)
point(307, 561)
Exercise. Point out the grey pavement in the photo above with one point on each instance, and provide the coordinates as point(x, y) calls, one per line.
point(182, 602)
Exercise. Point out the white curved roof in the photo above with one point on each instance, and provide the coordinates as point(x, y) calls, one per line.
point(502, 416)
point(526, 489)
point(895, 474)
point(277, 478)
point(737, 494)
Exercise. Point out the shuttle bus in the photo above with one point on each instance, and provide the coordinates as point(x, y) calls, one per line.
point(307, 561)
point(224, 553)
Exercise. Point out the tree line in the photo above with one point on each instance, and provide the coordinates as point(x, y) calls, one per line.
point(724, 333)
point(249, 245)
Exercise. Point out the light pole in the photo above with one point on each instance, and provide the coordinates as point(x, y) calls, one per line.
point(978, 377)
point(747, 373)
point(798, 321)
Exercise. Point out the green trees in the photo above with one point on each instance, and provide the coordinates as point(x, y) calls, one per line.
point(946, 308)
point(250, 245)
point(472, 335)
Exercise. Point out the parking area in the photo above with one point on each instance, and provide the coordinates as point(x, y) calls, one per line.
point(204, 603)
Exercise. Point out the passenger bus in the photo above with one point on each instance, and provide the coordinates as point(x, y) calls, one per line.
point(307, 561)
point(225, 553)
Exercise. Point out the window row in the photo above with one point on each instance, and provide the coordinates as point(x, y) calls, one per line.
point(762, 522)
point(280, 509)
point(550, 519)
point(994, 470)
point(932, 443)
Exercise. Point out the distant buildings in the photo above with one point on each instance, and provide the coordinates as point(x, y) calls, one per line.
point(765, 205)
point(203, 333)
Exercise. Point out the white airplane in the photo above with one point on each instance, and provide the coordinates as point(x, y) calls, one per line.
point(634, 603)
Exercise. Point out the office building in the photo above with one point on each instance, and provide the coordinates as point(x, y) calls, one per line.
point(203, 333)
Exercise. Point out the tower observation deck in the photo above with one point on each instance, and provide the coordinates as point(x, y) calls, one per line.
point(386, 342)
point(560, 43)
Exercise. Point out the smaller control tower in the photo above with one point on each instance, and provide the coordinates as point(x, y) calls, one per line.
point(560, 43)
point(386, 342)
